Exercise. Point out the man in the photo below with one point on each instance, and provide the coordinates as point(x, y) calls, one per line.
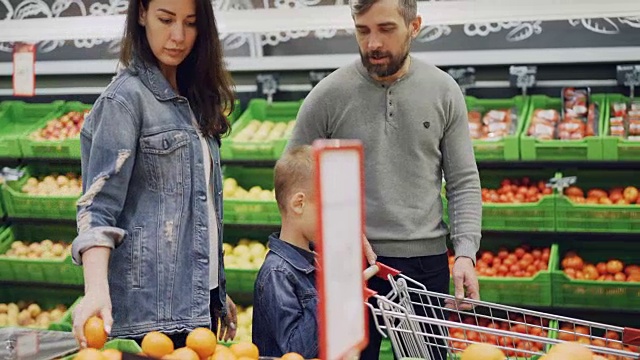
point(412, 120)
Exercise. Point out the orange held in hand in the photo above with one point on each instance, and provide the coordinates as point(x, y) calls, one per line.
point(203, 341)
point(157, 345)
point(94, 333)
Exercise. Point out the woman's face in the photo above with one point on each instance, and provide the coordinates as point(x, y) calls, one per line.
point(171, 29)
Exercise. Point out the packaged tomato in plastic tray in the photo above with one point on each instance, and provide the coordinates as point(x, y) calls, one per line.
point(625, 120)
point(579, 118)
point(544, 123)
point(31, 344)
point(492, 125)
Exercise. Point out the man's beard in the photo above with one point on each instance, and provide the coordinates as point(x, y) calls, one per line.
point(393, 65)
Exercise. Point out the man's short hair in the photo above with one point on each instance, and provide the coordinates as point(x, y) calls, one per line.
point(294, 172)
point(408, 8)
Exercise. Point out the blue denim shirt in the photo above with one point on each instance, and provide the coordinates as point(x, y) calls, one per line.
point(285, 303)
point(145, 197)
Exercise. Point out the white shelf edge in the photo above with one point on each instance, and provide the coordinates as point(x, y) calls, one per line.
point(334, 61)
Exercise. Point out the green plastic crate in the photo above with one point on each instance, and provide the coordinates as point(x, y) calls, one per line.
point(509, 147)
point(47, 299)
point(589, 148)
point(588, 294)
point(21, 205)
point(66, 321)
point(16, 118)
point(613, 147)
point(532, 291)
point(125, 346)
point(572, 217)
point(259, 109)
point(539, 216)
point(264, 212)
point(55, 149)
point(39, 270)
point(241, 281)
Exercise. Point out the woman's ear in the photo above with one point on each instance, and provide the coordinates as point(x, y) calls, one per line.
point(142, 15)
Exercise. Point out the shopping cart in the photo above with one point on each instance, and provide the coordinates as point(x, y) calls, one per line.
point(428, 325)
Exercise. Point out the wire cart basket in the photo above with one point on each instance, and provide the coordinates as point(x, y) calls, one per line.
point(428, 325)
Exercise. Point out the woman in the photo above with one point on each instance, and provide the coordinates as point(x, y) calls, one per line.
point(150, 220)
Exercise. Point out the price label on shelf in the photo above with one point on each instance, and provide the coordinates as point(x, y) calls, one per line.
point(628, 75)
point(562, 183)
point(10, 174)
point(523, 77)
point(465, 77)
point(24, 72)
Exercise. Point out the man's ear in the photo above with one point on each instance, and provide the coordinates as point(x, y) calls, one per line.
point(296, 203)
point(142, 15)
point(416, 26)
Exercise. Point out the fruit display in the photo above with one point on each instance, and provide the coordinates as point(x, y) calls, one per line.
point(614, 196)
point(231, 190)
point(514, 191)
point(69, 184)
point(46, 249)
point(247, 254)
point(29, 314)
point(625, 120)
point(514, 345)
point(524, 261)
point(612, 270)
point(580, 334)
point(494, 125)
point(577, 119)
point(245, 322)
point(65, 127)
point(261, 131)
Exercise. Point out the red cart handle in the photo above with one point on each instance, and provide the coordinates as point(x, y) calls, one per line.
point(631, 336)
point(380, 270)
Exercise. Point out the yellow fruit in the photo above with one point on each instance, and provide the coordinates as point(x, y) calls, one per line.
point(89, 354)
point(111, 354)
point(245, 349)
point(482, 351)
point(94, 333)
point(292, 356)
point(203, 341)
point(572, 351)
point(157, 345)
point(222, 353)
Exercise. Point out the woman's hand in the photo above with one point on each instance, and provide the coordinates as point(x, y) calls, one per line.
point(95, 303)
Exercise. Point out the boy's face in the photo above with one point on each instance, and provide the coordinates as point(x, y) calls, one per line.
point(309, 218)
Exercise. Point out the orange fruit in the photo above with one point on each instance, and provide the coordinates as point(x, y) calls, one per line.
point(94, 332)
point(112, 354)
point(245, 349)
point(89, 354)
point(182, 354)
point(292, 356)
point(223, 354)
point(482, 351)
point(203, 341)
point(157, 345)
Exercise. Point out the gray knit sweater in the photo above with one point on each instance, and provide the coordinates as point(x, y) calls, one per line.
point(413, 131)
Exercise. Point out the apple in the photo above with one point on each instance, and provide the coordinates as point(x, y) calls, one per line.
point(46, 249)
point(54, 185)
point(65, 127)
point(31, 315)
point(261, 131)
point(630, 194)
point(247, 254)
point(231, 190)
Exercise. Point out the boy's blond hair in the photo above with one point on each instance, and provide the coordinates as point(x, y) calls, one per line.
point(293, 173)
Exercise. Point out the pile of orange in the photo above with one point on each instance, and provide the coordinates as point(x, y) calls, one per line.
point(201, 344)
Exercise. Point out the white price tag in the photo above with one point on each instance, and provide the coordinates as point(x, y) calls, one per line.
point(24, 72)
point(27, 345)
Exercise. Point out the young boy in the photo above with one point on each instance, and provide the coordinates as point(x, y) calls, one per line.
point(285, 297)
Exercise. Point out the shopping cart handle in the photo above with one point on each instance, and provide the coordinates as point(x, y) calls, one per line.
point(368, 293)
point(380, 270)
point(631, 336)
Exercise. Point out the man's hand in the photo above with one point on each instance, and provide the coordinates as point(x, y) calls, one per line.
point(464, 278)
point(229, 323)
point(368, 251)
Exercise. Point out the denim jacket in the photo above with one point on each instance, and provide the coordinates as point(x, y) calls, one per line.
point(145, 198)
point(285, 303)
